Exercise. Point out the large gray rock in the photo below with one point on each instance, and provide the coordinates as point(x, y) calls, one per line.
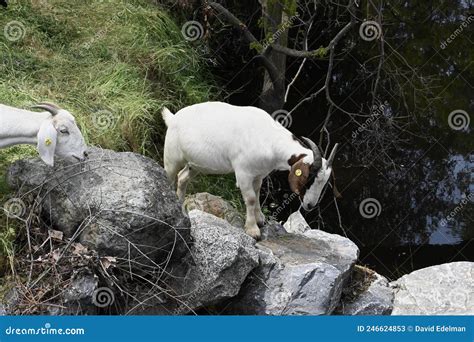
point(370, 294)
point(298, 275)
point(119, 204)
point(223, 256)
point(446, 289)
point(296, 224)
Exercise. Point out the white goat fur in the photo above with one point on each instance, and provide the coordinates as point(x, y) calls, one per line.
point(54, 132)
point(218, 138)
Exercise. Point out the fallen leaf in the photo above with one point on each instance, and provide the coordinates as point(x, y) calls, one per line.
point(107, 261)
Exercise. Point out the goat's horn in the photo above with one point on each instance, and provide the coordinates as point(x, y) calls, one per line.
point(318, 159)
point(332, 155)
point(49, 107)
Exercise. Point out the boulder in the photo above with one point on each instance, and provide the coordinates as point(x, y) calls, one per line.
point(119, 204)
point(297, 275)
point(222, 257)
point(296, 224)
point(446, 289)
point(368, 293)
point(216, 206)
point(272, 230)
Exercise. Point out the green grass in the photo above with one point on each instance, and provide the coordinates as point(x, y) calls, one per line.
point(114, 64)
point(223, 186)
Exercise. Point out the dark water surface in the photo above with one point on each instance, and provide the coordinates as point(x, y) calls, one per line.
point(426, 214)
point(402, 158)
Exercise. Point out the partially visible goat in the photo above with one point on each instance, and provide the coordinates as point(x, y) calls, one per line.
point(54, 131)
point(218, 138)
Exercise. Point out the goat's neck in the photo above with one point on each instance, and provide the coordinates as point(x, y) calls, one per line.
point(290, 148)
point(23, 129)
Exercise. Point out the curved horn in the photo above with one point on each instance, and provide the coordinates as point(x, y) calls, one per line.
point(49, 107)
point(332, 155)
point(318, 159)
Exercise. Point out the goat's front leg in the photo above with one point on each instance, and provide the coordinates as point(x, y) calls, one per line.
point(248, 193)
point(257, 184)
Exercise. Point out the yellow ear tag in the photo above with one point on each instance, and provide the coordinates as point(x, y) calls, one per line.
point(48, 142)
point(298, 172)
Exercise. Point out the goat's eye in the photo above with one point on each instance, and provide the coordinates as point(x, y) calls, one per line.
point(64, 130)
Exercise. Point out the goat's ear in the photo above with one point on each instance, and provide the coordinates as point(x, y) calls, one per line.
point(47, 137)
point(298, 177)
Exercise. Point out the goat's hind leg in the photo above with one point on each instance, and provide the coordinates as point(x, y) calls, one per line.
point(184, 176)
point(173, 158)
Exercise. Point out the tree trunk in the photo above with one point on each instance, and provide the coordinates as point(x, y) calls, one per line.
point(272, 96)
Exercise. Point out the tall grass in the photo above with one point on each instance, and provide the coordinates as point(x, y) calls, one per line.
point(114, 64)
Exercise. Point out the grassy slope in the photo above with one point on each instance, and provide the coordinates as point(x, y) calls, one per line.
point(113, 64)
point(123, 57)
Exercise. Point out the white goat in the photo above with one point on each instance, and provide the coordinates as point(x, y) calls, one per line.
point(218, 138)
point(54, 132)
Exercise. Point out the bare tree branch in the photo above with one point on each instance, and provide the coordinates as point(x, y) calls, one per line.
point(234, 21)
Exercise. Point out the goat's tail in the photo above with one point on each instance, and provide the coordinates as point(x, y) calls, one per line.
point(167, 116)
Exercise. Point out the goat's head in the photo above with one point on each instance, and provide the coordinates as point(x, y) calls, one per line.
point(309, 179)
point(60, 136)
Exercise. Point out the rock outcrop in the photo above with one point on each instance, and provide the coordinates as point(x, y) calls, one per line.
point(121, 243)
point(222, 257)
point(119, 204)
point(446, 289)
point(296, 224)
point(298, 274)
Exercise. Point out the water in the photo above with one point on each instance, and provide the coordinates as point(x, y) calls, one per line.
point(405, 157)
point(425, 215)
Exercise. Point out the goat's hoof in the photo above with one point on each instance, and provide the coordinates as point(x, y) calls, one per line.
point(253, 232)
point(261, 220)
